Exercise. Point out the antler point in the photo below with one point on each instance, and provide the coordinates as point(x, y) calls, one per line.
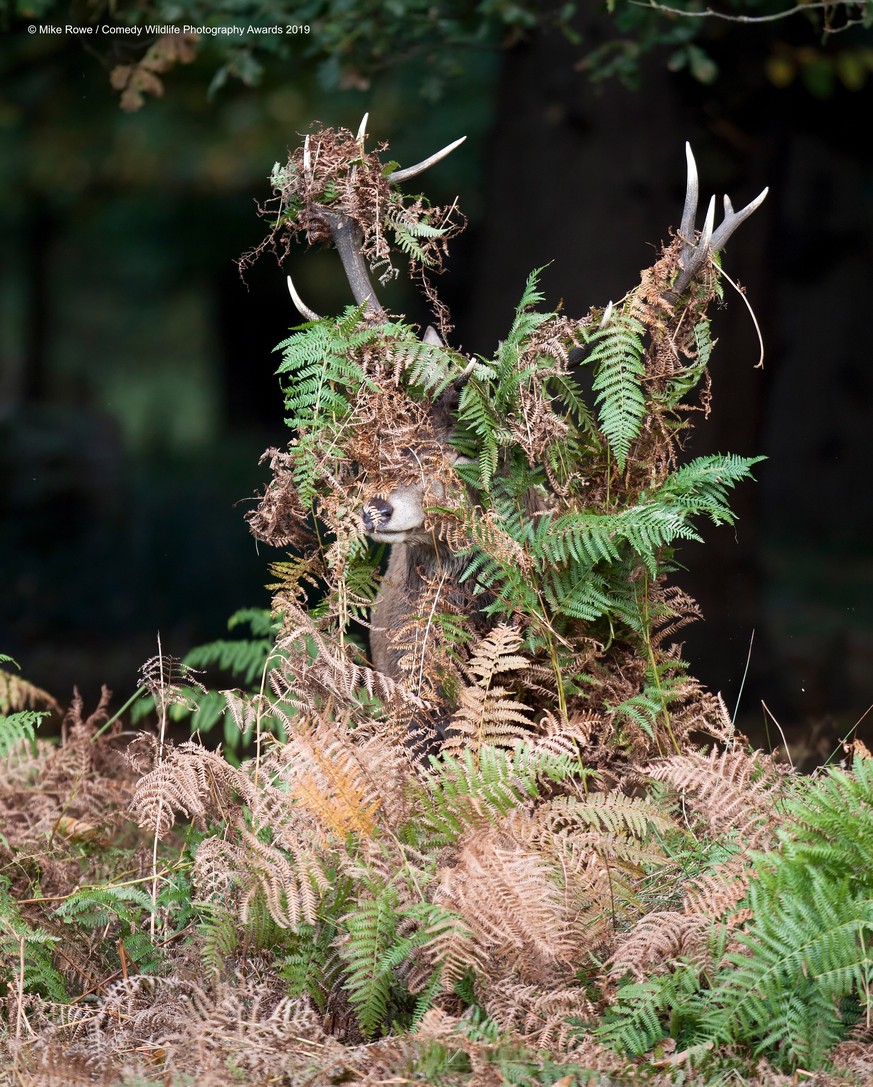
point(420, 167)
point(299, 304)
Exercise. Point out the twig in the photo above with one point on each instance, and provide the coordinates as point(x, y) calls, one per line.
point(760, 363)
point(743, 680)
point(710, 13)
point(769, 713)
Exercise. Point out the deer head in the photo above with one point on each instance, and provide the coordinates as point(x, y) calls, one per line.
point(399, 516)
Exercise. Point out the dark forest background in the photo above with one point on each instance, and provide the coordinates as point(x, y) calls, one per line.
point(137, 386)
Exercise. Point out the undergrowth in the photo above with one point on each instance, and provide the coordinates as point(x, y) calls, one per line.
point(594, 881)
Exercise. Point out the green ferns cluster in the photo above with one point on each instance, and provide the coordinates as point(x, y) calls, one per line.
point(799, 975)
point(601, 530)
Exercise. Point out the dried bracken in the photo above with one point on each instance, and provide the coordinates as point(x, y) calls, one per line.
point(332, 173)
point(733, 792)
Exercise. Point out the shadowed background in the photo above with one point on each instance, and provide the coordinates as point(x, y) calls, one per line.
point(137, 388)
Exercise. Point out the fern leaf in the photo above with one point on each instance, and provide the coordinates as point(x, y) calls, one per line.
point(18, 730)
point(407, 232)
point(702, 486)
point(19, 694)
point(617, 358)
point(486, 714)
point(371, 929)
point(807, 949)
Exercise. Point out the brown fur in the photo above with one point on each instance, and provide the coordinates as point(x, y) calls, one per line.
point(411, 566)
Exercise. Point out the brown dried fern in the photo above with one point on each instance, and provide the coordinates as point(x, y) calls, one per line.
point(289, 880)
point(486, 713)
point(509, 898)
point(540, 1015)
point(658, 941)
point(19, 694)
point(734, 792)
point(190, 781)
point(318, 669)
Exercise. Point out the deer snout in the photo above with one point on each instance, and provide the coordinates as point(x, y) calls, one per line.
point(396, 518)
point(376, 513)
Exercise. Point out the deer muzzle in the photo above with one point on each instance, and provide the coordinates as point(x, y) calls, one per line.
point(395, 518)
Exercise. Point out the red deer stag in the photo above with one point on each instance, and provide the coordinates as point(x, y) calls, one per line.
point(419, 557)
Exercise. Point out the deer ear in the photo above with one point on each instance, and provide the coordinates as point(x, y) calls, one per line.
point(431, 336)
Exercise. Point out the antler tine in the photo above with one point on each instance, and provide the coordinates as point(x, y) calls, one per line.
point(420, 167)
point(732, 219)
point(692, 193)
point(694, 256)
point(708, 223)
point(300, 305)
point(362, 129)
point(359, 138)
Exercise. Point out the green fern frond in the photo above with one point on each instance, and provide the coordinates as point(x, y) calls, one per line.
point(803, 970)
point(524, 323)
point(645, 1013)
point(634, 1025)
point(243, 658)
point(217, 937)
point(585, 539)
point(685, 380)
point(24, 946)
point(617, 358)
point(371, 929)
point(260, 621)
point(407, 231)
point(643, 709)
point(809, 946)
point(18, 729)
point(320, 381)
point(466, 789)
point(702, 486)
point(579, 537)
point(481, 422)
point(594, 596)
point(648, 527)
point(830, 824)
point(429, 367)
point(807, 949)
point(96, 907)
point(490, 397)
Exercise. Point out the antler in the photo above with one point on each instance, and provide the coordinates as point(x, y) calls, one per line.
point(420, 167)
point(696, 253)
point(346, 233)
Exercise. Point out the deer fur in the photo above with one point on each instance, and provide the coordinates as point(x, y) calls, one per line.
point(418, 554)
point(411, 567)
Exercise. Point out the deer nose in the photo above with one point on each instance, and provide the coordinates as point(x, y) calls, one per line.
point(376, 513)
